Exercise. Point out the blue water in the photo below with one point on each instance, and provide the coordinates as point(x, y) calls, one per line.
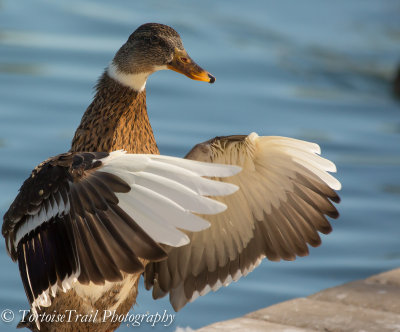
point(309, 70)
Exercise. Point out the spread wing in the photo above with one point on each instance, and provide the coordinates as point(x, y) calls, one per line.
point(88, 216)
point(285, 194)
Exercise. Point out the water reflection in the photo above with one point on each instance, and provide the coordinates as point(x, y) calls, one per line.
point(282, 69)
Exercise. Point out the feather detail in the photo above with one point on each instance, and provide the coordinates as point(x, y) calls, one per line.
point(88, 217)
point(285, 193)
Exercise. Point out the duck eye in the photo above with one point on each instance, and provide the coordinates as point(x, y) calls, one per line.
point(184, 60)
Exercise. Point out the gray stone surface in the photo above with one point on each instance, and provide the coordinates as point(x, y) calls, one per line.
point(383, 297)
point(250, 325)
point(370, 305)
point(386, 278)
point(328, 316)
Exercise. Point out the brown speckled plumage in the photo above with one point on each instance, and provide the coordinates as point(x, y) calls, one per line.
point(116, 119)
point(71, 301)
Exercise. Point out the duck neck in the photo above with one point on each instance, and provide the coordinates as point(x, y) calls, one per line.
point(116, 119)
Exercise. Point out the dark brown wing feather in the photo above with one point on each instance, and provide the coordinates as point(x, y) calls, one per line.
point(87, 234)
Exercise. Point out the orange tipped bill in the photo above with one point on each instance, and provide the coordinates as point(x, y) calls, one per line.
point(183, 64)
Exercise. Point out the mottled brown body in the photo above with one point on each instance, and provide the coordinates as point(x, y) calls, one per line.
point(84, 306)
point(116, 119)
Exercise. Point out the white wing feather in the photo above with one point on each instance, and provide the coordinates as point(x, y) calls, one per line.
point(166, 191)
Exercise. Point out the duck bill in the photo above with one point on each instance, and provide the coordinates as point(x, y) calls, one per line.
point(183, 64)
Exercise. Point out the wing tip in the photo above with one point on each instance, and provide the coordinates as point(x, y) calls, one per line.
point(335, 184)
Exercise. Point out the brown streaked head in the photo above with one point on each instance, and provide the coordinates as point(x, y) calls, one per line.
point(153, 47)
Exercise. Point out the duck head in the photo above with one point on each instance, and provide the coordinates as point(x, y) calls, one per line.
point(150, 48)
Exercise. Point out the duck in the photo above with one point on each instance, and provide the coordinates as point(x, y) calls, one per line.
point(87, 224)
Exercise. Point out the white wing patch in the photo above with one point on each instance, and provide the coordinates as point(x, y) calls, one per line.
point(166, 191)
point(34, 221)
point(302, 153)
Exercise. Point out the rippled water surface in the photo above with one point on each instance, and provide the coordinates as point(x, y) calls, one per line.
point(309, 70)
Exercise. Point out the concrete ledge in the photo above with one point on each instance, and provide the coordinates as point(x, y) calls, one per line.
point(328, 316)
point(250, 325)
point(386, 278)
point(370, 305)
point(363, 294)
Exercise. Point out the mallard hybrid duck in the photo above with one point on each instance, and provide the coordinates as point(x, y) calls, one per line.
point(88, 223)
